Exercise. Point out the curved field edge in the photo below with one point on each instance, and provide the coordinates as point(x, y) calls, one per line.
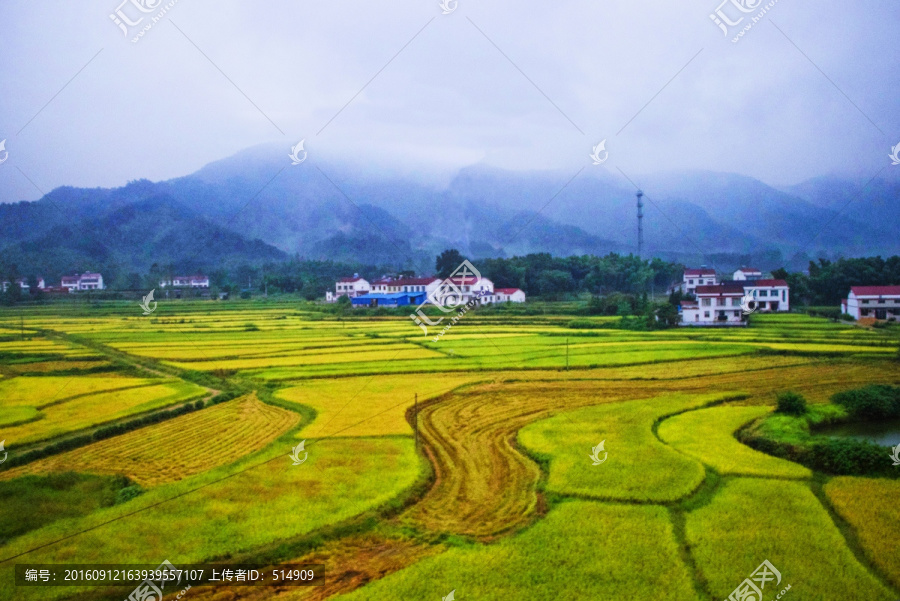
point(638, 468)
point(749, 520)
point(560, 556)
point(708, 436)
point(341, 479)
point(872, 508)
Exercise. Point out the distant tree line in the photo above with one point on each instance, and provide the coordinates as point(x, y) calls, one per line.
point(829, 281)
point(553, 278)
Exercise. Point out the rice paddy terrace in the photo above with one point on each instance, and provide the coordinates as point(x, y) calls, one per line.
point(461, 464)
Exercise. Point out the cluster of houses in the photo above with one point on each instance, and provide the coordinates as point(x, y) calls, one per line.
point(185, 281)
point(727, 303)
point(394, 291)
point(69, 283)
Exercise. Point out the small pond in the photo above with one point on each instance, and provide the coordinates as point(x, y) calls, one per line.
point(886, 433)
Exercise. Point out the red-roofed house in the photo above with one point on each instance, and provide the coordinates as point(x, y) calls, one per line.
point(872, 302)
point(718, 305)
point(770, 295)
point(388, 284)
point(349, 287)
point(747, 273)
point(513, 295)
point(697, 277)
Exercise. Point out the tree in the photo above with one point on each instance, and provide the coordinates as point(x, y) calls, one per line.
point(447, 262)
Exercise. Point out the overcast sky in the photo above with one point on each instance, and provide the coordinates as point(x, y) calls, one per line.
point(811, 89)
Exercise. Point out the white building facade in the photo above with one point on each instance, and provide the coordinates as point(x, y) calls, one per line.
point(697, 277)
point(872, 302)
point(718, 305)
point(512, 295)
point(747, 273)
point(770, 295)
point(85, 281)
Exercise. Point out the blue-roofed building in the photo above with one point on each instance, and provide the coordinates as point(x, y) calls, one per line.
point(392, 299)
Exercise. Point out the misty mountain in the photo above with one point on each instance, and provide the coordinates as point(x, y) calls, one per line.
point(255, 207)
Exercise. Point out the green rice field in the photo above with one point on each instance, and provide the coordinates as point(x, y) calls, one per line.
point(464, 464)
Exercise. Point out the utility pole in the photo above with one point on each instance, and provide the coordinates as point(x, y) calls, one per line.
point(640, 208)
point(416, 420)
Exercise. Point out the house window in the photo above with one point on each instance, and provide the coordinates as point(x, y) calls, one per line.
point(764, 293)
point(706, 314)
point(865, 302)
point(735, 302)
point(783, 295)
point(864, 312)
point(706, 302)
point(720, 302)
point(881, 301)
point(690, 281)
point(737, 313)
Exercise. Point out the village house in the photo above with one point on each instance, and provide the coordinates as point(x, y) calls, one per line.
point(770, 295)
point(715, 305)
point(349, 287)
point(875, 303)
point(24, 285)
point(186, 281)
point(747, 273)
point(390, 291)
point(512, 295)
point(721, 304)
point(697, 277)
point(85, 281)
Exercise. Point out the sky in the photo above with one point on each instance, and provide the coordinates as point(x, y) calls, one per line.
point(810, 89)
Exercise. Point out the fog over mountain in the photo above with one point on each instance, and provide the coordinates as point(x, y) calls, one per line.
point(255, 206)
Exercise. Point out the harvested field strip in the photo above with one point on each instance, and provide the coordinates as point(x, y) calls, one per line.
point(870, 506)
point(178, 448)
point(751, 519)
point(708, 435)
point(341, 479)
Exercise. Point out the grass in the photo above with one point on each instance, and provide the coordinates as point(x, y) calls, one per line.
point(750, 520)
point(707, 435)
point(581, 550)
point(175, 449)
point(35, 501)
point(870, 506)
point(639, 467)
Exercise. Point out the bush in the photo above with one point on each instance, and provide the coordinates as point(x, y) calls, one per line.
point(123, 495)
point(791, 403)
point(849, 457)
point(873, 402)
